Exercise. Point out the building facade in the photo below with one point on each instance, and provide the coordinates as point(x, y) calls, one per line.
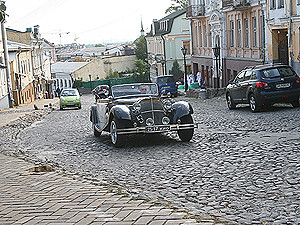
point(283, 27)
point(227, 36)
point(164, 42)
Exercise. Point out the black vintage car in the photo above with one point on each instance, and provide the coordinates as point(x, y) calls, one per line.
point(138, 108)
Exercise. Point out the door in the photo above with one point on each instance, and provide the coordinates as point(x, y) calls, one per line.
point(245, 85)
point(236, 88)
point(283, 49)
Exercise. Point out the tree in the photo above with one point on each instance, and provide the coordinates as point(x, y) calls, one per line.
point(99, 45)
point(141, 48)
point(179, 4)
point(176, 71)
point(142, 71)
point(112, 74)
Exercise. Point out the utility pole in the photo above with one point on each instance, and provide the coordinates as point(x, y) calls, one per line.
point(5, 48)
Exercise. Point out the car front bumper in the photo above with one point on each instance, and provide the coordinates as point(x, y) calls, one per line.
point(156, 128)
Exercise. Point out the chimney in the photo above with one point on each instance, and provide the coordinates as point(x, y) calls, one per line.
point(36, 29)
point(28, 29)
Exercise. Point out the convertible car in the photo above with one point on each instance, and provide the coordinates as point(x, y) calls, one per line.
point(138, 108)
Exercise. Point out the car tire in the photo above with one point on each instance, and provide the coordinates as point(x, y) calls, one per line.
point(186, 135)
point(61, 108)
point(79, 107)
point(230, 103)
point(96, 132)
point(254, 107)
point(295, 103)
point(116, 140)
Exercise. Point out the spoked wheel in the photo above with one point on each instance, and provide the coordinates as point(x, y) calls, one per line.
point(253, 104)
point(116, 139)
point(186, 135)
point(230, 103)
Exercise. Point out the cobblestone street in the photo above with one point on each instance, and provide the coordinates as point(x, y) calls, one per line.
point(240, 167)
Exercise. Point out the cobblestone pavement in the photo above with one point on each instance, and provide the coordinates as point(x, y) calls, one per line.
point(240, 167)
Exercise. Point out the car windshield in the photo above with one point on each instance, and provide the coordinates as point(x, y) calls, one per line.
point(278, 72)
point(163, 80)
point(69, 93)
point(136, 90)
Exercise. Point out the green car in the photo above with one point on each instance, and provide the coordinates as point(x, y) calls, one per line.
point(70, 98)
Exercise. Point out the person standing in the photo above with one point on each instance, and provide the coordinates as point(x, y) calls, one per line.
point(58, 91)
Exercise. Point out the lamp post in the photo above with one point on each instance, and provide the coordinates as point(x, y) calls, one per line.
point(184, 50)
point(216, 51)
point(90, 76)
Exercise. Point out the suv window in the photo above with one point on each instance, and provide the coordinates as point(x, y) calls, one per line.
point(278, 72)
point(162, 80)
point(253, 76)
point(239, 77)
point(248, 75)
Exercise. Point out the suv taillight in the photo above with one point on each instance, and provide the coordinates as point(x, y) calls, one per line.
point(298, 81)
point(176, 85)
point(261, 84)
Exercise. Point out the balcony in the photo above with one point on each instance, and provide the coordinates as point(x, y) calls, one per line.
point(195, 11)
point(241, 4)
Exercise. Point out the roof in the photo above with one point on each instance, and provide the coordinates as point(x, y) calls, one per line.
point(15, 46)
point(169, 18)
point(67, 67)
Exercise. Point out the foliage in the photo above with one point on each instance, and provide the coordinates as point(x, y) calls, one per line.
point(142, 71)
point(176, 71)
point(141, 48)
point(177, 5)
point(99, 45)
point(112, 74)
point(77, 83)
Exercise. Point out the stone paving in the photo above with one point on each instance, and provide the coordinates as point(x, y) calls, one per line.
point(240, 166)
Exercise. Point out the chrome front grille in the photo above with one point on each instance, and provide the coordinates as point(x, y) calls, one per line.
point(152, 108)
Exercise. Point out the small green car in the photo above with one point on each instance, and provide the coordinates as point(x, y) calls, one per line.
point(70, 98)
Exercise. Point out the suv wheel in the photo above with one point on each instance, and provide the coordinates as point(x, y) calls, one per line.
point(230, 103)
point(295, 103)
point(253, 104)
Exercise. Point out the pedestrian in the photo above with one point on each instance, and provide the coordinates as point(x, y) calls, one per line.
point(199, 78)
point(58, 91)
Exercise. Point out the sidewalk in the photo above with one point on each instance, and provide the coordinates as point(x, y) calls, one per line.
point(9, 115)
point(52, 198)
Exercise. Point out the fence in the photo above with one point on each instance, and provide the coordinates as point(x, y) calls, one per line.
point(109, 82)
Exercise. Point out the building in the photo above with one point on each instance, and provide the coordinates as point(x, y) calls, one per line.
point(21, 71)
point(227, 36)
point(164, 42)
point(283, 27)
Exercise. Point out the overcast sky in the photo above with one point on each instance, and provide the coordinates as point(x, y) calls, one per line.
point(91, 21)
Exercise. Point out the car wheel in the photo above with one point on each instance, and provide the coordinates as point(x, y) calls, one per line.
point(253, 104)
point(79, 107)
point(96, 132)
point(295, 103)
point(61, 108)
point(186, 135)
point(230, 103)
point(116, 139)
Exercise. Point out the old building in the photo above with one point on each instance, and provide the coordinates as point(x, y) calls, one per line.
point(21, 71)
point(164, 43)
point(227, 36)
point(283, 28)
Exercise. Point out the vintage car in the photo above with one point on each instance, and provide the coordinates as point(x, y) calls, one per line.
point(138, 108)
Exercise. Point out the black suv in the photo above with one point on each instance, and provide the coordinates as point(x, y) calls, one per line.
point(263, 86)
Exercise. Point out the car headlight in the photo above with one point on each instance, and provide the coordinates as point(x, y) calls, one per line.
point(62, 99)
point(77, 99)
point(137, 107)
point(168, 104)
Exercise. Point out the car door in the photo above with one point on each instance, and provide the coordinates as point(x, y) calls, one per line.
point(244, 85)
point(236, 87)
point(102, 114)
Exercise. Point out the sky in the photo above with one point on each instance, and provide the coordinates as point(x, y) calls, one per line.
point(88, 21)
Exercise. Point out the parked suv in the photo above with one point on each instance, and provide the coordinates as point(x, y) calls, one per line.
point(167, 83)
point(263, 86)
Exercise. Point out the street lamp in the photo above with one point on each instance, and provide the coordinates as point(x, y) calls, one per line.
point(90, 76)
point(216, 51)
point(184, 50)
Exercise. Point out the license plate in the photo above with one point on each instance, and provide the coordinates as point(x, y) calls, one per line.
point(286, 85)
point(157, 129)
point(70, 104)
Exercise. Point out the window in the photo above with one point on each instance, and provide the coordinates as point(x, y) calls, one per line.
point(280, 4)
point(232, 33)
point(246, 33)
point(254, 32)
point(248, 75)
point(187, 45)
point(239, 77)
point(239, 34)
point(205, 37)
point(273, 4)
point(200, 36)
point(298, 2)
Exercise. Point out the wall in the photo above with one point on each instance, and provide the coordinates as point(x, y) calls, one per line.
point(99, 68)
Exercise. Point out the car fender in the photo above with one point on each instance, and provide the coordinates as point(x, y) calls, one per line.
point(181, 109)
point(120, 112)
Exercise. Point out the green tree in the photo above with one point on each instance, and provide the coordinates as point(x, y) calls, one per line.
point(177, 5)
point(141, 48)
point(99, 45)
point(142, 71)
point(176, 71)
point(112, 74)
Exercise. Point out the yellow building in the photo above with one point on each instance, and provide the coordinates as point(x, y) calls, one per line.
point(283, 24)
